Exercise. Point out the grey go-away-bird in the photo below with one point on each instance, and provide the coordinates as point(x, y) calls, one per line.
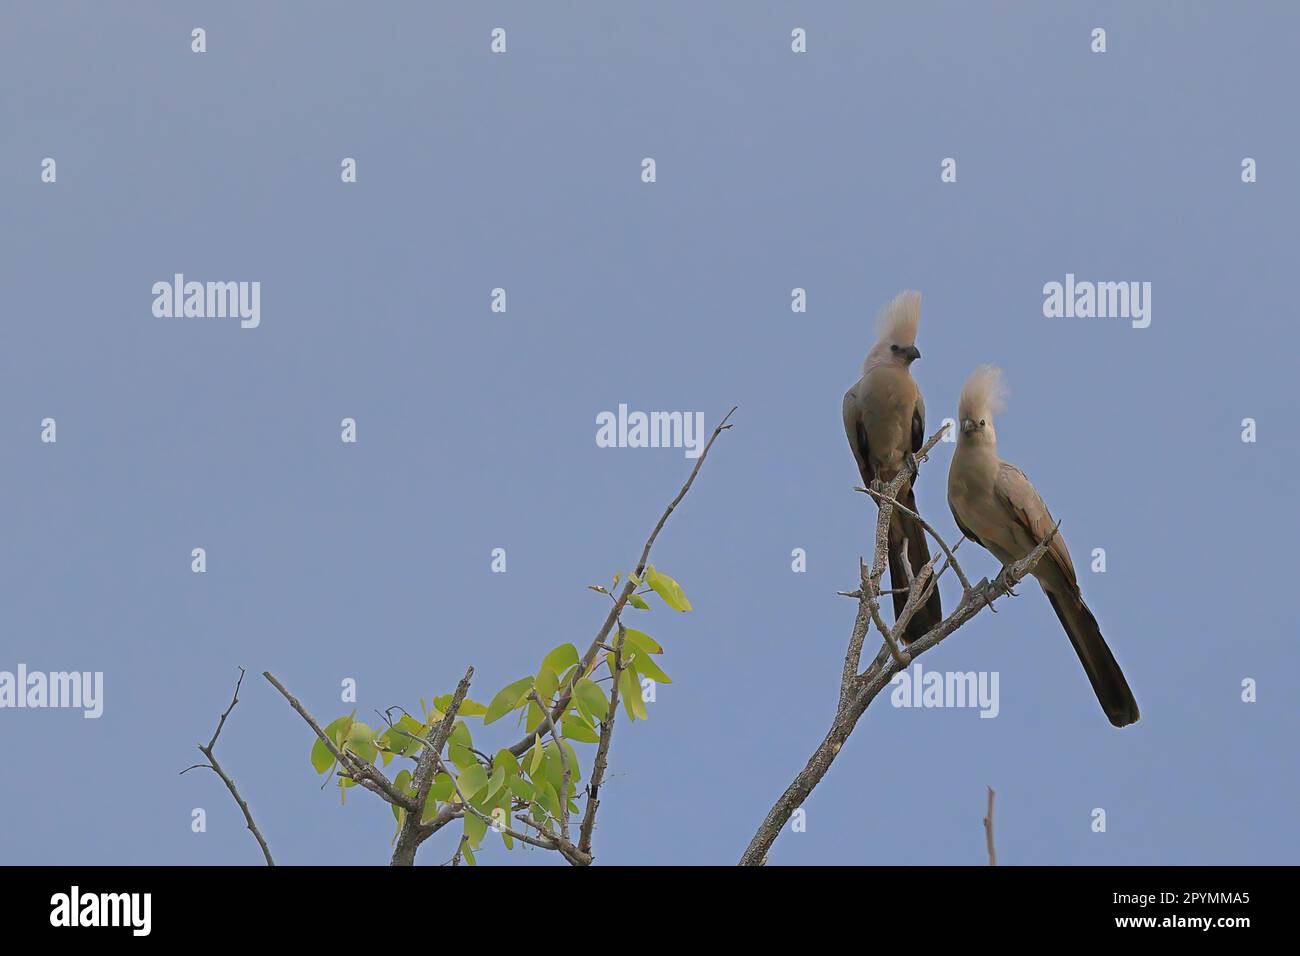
point(997, 508)
point(884, 418)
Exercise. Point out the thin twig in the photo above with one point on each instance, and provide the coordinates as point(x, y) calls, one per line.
point(961, 575)
point(988, 831)
point(562, 702)
point(362, 771)
point(564, 763)
point(215, 767)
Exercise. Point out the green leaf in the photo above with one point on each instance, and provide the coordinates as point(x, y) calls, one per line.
point(640, 641)
point(469, 856)
point(442, 787)
point(549, 799)
point(403, 782)
point(536, 761)
point(321, 758)
point(522, 789)
point(574, 727)
point(592, 697)
point(668, 589)
point(505, 758)
point(562, 658)
point(461, 757)
point(496, 781)
point(569, 676)
point(648, 668)
point(535, 716)
point(468, 708)
point(440, 790)
point(472, 780)
point(507, 699)
point(475, 828)
point(399, 739)
point(575, 768)
point(638, 602)
point(554, 769)
point(629, 689)
point(548, 682)
point(361, 741)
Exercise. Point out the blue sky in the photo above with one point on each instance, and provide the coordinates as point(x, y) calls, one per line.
point(476, 430)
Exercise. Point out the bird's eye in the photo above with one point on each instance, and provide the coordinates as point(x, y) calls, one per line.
point(893, 348)
point(981, 423)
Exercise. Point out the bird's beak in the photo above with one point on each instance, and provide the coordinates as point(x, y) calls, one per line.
point(912, 353)
point(968, 425)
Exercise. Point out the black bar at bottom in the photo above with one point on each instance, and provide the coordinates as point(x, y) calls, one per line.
point(286, 902)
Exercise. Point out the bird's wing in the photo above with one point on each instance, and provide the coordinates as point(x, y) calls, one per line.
point(918, 422)
point(965, 530)
point(857, 435)
point(1022, 503)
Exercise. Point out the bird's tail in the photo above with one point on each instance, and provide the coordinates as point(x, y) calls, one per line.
point(1099, 664)
point(918, 554)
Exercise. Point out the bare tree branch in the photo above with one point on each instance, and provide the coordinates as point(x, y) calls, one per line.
point(859, 690)
point(562, 702)
point(988, 831)
point(547, 840)
point(362, 771)
point(870, 587)
point(215, 767)
point(961, 576)
point(460, 849)
point(415, 831)
point(602, 750)
point(564, 763)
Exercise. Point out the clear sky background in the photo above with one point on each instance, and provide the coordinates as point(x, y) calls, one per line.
point(476, 430)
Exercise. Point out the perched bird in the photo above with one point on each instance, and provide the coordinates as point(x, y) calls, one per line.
point(884, 418)
point(997, 508)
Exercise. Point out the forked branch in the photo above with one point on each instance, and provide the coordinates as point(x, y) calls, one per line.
point(858, 690)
